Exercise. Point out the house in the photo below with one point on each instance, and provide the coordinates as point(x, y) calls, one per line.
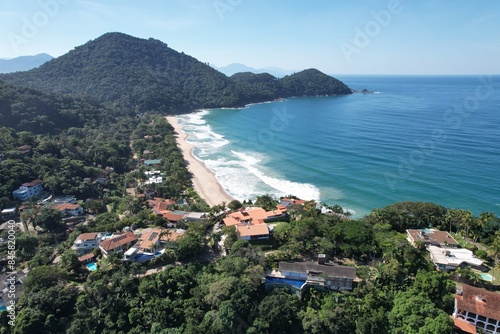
point(432, 237)
point(174, 217)
point(252, 232)
point(69, 209)
point(28, 189)
point(9, 212)
point(87, 258)
point(289, 201)
point(171, 239)
point(478, 307)
point(319, 274)
point(151, 244)
point(118, 243)
point(151, 240)
point(447, 259)
point(86, 242)
point(196, 216)
point(160, 205)
point(253, 215)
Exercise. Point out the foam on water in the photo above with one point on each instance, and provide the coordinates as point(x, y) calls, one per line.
point(280, 186)
point(200, 134)
point(241, 174)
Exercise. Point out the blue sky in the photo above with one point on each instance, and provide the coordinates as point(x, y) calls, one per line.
point(337, 37)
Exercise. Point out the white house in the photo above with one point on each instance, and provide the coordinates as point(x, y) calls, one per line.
point(28, 189)
point(447, 259)
point(9, 212)
point(86, 242)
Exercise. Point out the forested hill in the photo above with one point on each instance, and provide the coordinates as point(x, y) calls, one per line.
point(25, 109)
point(147, 75)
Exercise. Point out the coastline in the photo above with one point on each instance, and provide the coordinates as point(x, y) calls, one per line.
point(204, 181)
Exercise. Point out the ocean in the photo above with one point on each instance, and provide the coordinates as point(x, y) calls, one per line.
point(413, 138)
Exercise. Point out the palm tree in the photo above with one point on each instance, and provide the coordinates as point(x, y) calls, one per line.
point(495, 247)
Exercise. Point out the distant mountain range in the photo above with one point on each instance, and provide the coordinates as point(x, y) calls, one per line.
point(23, 63)
point(237, 68)
point(140, 75)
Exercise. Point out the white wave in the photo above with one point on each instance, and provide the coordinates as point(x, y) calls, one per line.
point(200, 134)
point(280, 186)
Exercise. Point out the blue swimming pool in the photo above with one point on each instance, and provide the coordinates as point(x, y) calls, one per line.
point(92, 266)
point(278, 280)
point(3, 308)
point(486, 277)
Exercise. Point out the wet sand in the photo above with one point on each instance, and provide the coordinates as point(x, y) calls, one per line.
point(204, 181)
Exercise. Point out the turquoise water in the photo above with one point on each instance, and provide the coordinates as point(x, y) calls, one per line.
point(91, 266)
point(486, 277)
point(415, 138)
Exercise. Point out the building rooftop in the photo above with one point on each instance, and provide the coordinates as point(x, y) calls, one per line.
point(87, 236)
point(118, 241)
point(479, 301)
point(464, 326)
point(257, 215)
point(32, 183)
point(432, 237)
point(313, 267)
point(86, 257)
point(66, 206)
point(252, 230)
point(453, 256)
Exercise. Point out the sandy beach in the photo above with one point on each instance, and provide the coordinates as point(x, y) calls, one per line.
point(204, 181)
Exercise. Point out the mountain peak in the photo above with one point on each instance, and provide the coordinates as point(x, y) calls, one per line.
point(146, 75)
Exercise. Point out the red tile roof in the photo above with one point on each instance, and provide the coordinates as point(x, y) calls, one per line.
point(174, 217)
point(66, 206)
point(464, 326)
point(159, 205)
point(258, 215)
point(479, 301)
point(118, 241)
point(87, 236)
point(252, 230)
point(86, 257)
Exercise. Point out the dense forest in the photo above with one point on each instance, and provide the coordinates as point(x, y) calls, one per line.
point(146, 75)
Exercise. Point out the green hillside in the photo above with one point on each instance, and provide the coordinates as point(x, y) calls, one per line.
point(146, 75)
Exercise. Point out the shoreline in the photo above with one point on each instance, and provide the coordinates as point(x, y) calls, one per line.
point(204, 181)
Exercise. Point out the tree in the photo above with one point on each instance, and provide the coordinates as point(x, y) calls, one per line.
point(267, 202)
point(415, 314)
point(278, 313)
point(234, 205)
point(26, 246)
point(49, 219)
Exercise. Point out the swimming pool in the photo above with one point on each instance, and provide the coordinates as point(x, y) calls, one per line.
point(279, 280)
point(91, 266)
point(486, 277)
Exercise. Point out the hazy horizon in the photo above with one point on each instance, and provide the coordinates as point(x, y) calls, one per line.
point(394, 37)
